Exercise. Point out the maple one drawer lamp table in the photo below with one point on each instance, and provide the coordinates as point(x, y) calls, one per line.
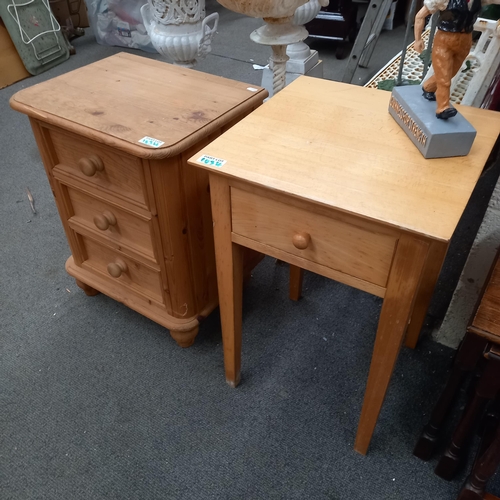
point(114, 138)
point(322, 177)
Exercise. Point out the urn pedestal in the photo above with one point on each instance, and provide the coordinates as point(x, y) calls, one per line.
point(302, 60)
point(278, 32)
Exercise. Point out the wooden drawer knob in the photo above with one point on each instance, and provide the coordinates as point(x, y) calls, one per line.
point(117, 268)
point(301, 240)
point(90, 165)
point(104, 220)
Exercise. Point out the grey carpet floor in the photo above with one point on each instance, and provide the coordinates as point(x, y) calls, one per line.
point(97, 401)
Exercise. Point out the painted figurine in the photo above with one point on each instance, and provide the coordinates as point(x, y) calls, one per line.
point(452, 45)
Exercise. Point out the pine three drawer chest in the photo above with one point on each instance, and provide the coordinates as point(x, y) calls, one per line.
point(114, 137)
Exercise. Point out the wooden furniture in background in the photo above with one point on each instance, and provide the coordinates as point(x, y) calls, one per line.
point(479, 351)
point(489, 496)
point(321, 177)
point(336, 22)
point(488, 453)
point(137, 217)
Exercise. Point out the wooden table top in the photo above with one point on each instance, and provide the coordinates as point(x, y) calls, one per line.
point(337, 145)
point(123, 98)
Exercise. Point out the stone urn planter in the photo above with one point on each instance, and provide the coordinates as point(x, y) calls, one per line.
point(179, 30)
point(278, 32)
point(263, 8)
point(304, 14)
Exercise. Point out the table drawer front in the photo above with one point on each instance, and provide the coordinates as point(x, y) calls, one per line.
point(122, 270)
point(94, 164)
point(347, 248)
point(126, 229)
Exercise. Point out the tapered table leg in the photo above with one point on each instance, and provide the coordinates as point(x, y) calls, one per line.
point(296, 279)
point(435, 259)
point(402, 287)
point(229, 260)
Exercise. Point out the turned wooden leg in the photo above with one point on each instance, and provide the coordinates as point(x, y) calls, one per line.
point(296, 279)
point(484, 467)
point(87, 289)
point(229, 259)
point(433, 265)
point(403, 283)
point(184, 338)
point(488, 425)
point(465, 361)
point(486, 389)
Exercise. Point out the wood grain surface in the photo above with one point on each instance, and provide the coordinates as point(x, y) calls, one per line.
point(337, 145)
point(486, 321)
point(123, 98)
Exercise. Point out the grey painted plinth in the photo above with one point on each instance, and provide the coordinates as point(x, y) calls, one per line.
point(433, 137)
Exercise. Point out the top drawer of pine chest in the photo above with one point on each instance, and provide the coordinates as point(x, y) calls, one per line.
point(101, 167)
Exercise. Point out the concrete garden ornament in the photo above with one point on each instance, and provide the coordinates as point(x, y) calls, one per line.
point(278, 32)
point(179, 29)
point(300, 51)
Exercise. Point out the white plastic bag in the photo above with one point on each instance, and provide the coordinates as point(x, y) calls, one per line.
point(119, 23)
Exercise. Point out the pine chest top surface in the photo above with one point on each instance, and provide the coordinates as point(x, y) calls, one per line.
point(125, 98)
